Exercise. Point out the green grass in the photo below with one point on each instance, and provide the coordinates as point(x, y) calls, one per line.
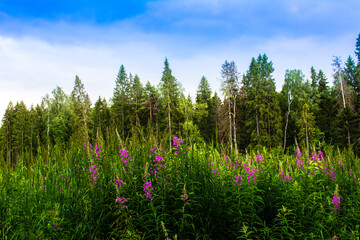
point(59, 190)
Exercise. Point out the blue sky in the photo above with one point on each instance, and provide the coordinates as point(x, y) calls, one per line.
point(44, 44)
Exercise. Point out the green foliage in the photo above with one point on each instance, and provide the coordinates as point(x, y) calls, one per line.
point(199, 194)
point(82, 110)
point(262, 104)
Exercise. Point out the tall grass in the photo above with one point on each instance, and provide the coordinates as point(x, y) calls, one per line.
point(191, 192)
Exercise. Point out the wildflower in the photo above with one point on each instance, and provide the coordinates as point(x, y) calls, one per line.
point(335, 204)
point(238, 180)
point(258, 158)
point(93, 172)
point(56, 227)
point(177, 141)
point(122, 200)
point(184, 197)
point(320, 155)
point(119, 182)
point(147, 189)
point(298, 152)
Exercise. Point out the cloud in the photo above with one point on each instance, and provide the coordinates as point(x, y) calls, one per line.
point(37, 54)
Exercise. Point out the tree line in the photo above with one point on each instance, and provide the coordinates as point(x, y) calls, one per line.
point(306, 112)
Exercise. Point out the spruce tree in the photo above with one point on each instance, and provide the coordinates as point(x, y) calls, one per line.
point(19, 129)
point(203, 103)
point(263, 118)
point(170, 90)
point(6, 137)
point(357, 49)
point(101, 120)
point(121, 98)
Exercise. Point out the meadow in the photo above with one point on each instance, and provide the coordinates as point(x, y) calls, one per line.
point(142, 191)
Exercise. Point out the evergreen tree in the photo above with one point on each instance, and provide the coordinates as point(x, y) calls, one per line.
point(349, 73)
point(170, 90)
point(82, 110)
point(101, 120)
point(263, 122)
point(357, 49)
point(203, 103)
point(6, 136)
point(62, 118)
point(327, 112)
point(137, 90)
point(191, 130)
point(214, 114)
point(120, 107)
point(151, 105)
point(19, 129)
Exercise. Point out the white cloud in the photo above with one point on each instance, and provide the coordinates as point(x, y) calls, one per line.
point(44, 54)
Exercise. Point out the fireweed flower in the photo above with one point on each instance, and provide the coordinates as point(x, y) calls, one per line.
point(335, 204)
point(148, 190)
point(119, 182)
point(56, 227)
point(94, 173)
point(238, 180)
point(259, 158)
point(251, 174)
point(122, 201)
point(184, 197)
point(320, 155)
point(126, 160)
point(177, 141)
point(298, 153)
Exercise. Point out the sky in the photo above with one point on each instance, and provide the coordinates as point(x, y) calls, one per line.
point(45, 44)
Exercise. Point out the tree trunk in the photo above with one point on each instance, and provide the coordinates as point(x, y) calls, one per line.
point(169, 116)
point(349, 141)
point(122, 123)
point(234, 124)
point(157, 124)
point(257, 122)
point(286, 124)
point(231, 144)
point(150, 107)
point(48, 130)
point(306, 133)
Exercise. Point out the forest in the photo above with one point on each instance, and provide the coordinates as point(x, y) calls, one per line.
point(306, 112)
point(152, 163)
